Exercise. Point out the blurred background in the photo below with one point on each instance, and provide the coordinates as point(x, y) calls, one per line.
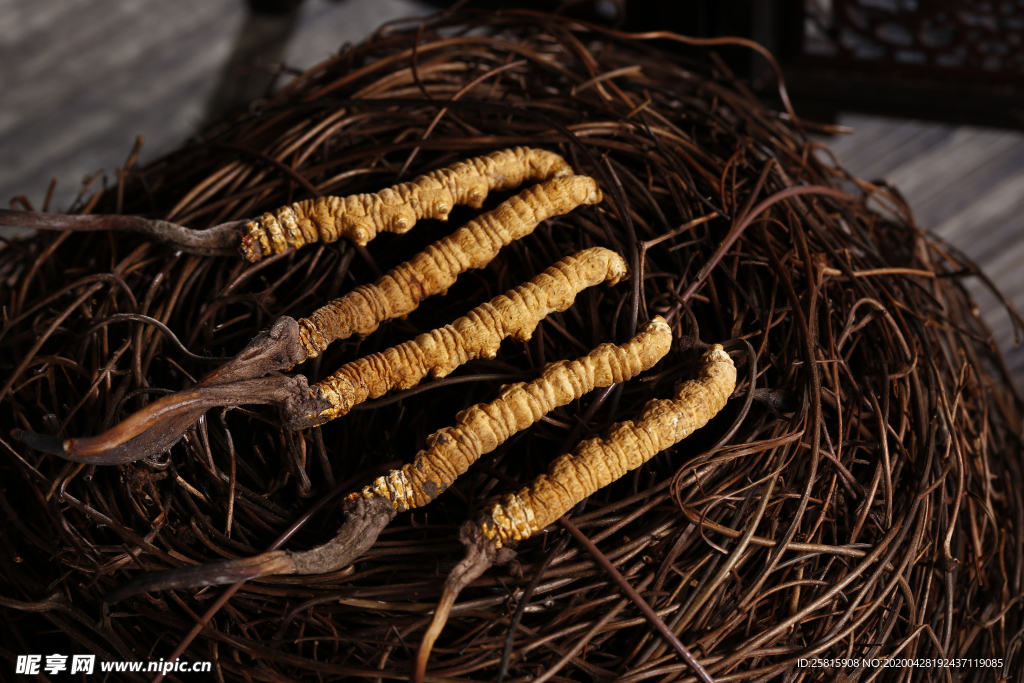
point(931, 90)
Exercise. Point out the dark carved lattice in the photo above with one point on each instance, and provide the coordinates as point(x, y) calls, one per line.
point(968, 38)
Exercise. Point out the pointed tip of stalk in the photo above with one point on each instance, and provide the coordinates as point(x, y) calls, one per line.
point(129, 441)
point(41, 442)
point(158, 426)
point(212, 574)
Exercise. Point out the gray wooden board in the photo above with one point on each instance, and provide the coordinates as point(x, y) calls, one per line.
point(81, 78)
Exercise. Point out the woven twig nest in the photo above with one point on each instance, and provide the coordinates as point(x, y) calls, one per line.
point(863, 505)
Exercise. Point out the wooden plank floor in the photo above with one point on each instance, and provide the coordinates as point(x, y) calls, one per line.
point(81, 79)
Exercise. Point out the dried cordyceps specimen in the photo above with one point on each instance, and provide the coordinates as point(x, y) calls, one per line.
point(572, 477)
point(483, 427)
point(435, 269)
point(898, 454)
point(478, 334)
point(360, 217)
point(478, 431)
point(288, 343)
point(598, 462)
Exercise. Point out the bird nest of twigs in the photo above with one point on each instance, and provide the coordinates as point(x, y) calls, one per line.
point(855, 500)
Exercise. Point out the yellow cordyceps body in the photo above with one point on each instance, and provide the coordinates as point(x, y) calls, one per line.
point(478, 334)
point(485, 426)
point(598, 462)
point(396, 209)
point(436, 268)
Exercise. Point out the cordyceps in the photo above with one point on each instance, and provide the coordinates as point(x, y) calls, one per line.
point(571, 478)
point(398, 292)
point(357, 217)
point(878, 446)
point(450, 452)
point(478, 334)
point(435, 269)
point(396, 209)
